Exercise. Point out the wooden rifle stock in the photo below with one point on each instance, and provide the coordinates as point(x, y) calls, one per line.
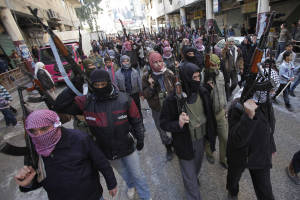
point(256, 59)
point(251, 77)
point(31, 158)
point(207, 60)
point(180, 95)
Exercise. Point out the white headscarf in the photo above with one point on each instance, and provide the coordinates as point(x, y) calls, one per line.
point(38, 66)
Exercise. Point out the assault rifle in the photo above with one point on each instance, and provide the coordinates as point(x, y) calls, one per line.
point(180, 95)
point(175, 47)
point(209, 47)
point(124, 30)
point(31, 158)
point(80, 45)
point(145, 34)
point(252, 84)
point(29, 153)
point(62, 49)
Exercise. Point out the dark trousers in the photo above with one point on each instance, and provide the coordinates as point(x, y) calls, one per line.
point(260, 178)
point(285, 94)
point(9, 117)
point(190, 170)
point(230, 75)
point(296, 162)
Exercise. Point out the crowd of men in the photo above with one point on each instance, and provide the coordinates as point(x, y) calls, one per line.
point(193, 95)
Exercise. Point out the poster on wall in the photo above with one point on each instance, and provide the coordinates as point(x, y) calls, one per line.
point(24, 51)
point(216, 6)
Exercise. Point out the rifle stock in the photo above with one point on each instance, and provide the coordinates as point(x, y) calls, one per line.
point(31, 158)
point(256, 59)
point(180, 95)
point(29, 153)
point(251, 78)
point(12, 150)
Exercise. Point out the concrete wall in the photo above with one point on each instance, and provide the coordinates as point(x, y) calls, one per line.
point(176, 4)
point(287, 8)
point(159, 8)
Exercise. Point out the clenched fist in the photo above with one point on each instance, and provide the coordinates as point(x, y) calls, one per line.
point(250, 107)
point(183, 119)
point(25, 176)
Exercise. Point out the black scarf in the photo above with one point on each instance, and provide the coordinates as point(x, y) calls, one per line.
point(190, 86)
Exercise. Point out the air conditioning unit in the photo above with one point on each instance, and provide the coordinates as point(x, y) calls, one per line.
point(53, 15)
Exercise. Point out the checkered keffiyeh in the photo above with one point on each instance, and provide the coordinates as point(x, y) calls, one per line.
point(261, 96)
point(44, 143)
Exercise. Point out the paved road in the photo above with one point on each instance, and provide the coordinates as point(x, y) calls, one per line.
point(164, 177)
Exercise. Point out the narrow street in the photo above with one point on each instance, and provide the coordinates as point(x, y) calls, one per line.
point(164, 177)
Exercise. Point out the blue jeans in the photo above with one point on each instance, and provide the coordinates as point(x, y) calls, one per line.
point(280, 48)
point(9, 117)
point(297, 82)
point(130, 170)
point(101, 198)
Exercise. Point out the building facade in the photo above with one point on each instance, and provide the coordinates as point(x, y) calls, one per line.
point(20, 31)
point(235, 13)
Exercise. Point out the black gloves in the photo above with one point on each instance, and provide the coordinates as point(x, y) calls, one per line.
point(139, 145)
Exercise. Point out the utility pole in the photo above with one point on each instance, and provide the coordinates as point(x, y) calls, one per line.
point(209, 14)
point(167, 18)
point(263, 9)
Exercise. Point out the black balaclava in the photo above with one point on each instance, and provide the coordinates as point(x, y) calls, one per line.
point(190, 86)
point(100, 75)
point(191, 59)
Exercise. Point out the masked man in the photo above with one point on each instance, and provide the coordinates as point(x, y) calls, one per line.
point(190, 121)
point(251, 141)
point(214, 76)
point(69, 161)
point(128, 80)
point(115, 122)
point(157, 84)
point(169, 58)
point(190, 54)
point(132, 53)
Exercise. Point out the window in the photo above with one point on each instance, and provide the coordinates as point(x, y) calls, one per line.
point(47, 57)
